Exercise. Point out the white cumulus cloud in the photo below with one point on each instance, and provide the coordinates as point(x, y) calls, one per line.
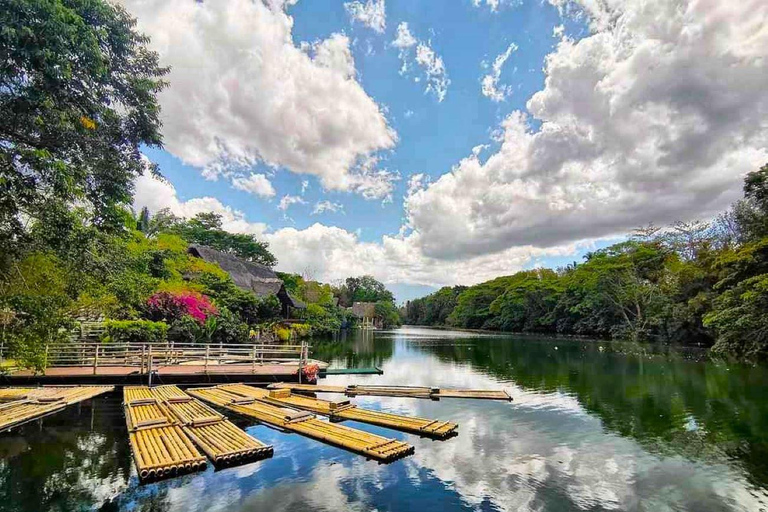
point(158, 194)
point(242, 92)
point(257, 184)
point(372, 14)
point(653, 117)
point(335, 253)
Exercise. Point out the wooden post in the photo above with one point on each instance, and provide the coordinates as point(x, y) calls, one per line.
point(46, 355)
point(207, 354)
point(149, 367)
point(301, 360)
point(253, 360)
point(95, 359)
point(143, 355)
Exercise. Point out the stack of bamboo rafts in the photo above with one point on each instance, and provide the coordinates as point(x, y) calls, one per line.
point(20, 405)
point(396, 391)
point(160, 447)
point(344, 410)
point(219, 438)
point(373, 446)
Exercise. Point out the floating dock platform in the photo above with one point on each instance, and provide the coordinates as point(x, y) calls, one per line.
point(344, 410)
point(373, 446)
point(396, 391)
point(21, 405)
point(222, 441)
point(160, 447)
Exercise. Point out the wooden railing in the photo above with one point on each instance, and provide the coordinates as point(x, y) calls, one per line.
point(148, 356)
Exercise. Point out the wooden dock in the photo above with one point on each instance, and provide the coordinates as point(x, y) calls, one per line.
point(344, 410)
point(21, 405)
point(160, 447)
point(396, 391)
point(217, 437)
point(134, 363)
point(373, 446)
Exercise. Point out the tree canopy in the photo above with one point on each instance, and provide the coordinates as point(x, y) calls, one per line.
point(206, 229)
point(694, 282)
point(78, 99)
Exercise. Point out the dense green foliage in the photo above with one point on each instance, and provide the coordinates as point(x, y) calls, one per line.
point(205, 229)
point(692, 283)
point(78, 99)
point(135, 331)
point(389, 314)
point(362, 289)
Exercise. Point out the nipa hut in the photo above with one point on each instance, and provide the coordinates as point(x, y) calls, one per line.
point(366, 315)
point(250, 276)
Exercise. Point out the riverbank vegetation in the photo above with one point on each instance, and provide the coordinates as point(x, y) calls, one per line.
point(77, 106)
point(691, 283)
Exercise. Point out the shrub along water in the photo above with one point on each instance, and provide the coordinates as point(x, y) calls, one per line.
point(702, 283)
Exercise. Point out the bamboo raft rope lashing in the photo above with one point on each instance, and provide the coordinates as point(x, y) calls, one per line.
point(373, 446)
point(29, 404)
point(396, 391)
point(346, 411)
point(159, 445)
point(217, 437)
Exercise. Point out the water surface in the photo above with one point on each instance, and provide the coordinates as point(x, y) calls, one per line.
point(594, 426)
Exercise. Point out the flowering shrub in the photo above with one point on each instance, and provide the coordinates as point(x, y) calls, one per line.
point(170, 306)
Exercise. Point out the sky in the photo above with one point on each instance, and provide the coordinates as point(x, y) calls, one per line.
point(433, 143)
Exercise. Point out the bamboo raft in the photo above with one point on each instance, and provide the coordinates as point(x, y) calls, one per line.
point(160, 447)
point(344, 410)
point(373, 446)
point(20, 405)
point(217, 437)
point(396, 391)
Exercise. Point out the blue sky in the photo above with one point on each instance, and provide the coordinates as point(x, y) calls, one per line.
point(326, 102)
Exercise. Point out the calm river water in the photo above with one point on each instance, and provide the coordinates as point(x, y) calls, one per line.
point(594, 426)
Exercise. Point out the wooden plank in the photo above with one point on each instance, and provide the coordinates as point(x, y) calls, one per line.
point(308, 388)
point(346, 411)
point(41, 401)
point(159, 445)
point(396, 391)
point(217, 437)
point(365, 443)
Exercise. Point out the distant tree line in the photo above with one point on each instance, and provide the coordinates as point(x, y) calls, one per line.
point(702, 283)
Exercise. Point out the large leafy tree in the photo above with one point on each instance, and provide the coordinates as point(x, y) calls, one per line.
point(206, 229)
point(362, 289)
point(78, 90)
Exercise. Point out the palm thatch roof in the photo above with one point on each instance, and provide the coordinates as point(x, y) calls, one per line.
point(250, 276)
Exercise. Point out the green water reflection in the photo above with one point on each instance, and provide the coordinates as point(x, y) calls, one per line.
point(594, 426)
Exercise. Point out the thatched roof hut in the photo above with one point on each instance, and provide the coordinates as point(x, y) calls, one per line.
point(250, 276)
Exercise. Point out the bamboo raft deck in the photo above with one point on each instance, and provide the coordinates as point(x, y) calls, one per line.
point(160, 447)
point(217, 437)
point(346, 411)
point(373, 446)
point(396, 391)
point(21, 405)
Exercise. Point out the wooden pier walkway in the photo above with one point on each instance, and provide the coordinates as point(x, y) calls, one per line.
point(396, 391)
point(344, 410)
point(373, 446)
point(132, 363)
point(20, 405)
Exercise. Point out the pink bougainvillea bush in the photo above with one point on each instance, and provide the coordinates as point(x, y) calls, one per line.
point(169, 306)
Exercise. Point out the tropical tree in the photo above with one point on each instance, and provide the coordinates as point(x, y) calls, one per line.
point(77, 102)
